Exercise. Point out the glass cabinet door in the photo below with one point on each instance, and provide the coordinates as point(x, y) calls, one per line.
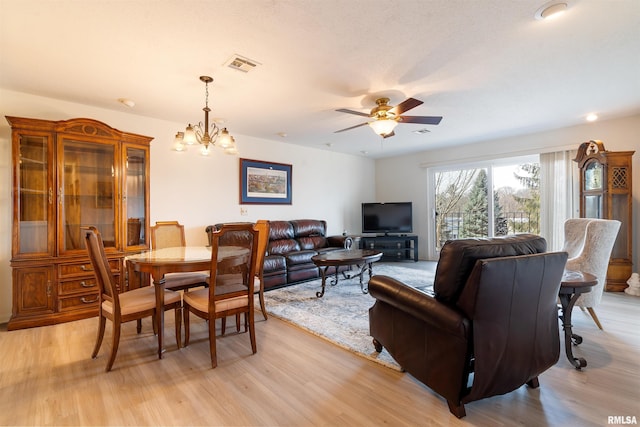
point(87, 192)
point(34, 198)
point(135, 200)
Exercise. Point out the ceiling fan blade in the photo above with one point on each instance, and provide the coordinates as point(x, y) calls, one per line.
point(388, 135)
point(357, 113)
point(405, 106)
point(425, 120)
point(352, 127)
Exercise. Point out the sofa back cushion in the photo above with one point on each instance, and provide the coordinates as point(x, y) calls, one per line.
point(312, 242)
point(280, 230)
point(310, 233)
point(458, 257)
point(309, 227)
point(281, 238)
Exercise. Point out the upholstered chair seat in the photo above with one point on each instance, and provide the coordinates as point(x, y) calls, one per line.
point(140, 299)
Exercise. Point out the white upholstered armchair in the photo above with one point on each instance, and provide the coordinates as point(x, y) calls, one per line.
point(589, 243)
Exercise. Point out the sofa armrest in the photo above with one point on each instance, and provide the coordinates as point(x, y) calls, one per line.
point(418, 304)
point(345, 242)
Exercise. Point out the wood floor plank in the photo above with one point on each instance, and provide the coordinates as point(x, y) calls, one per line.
point(296, 379)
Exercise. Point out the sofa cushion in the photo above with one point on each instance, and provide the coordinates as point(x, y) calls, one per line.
point(282, 246)
point(458, 257)
point(280, 230)
point(312, 242)
point(300, 257)
point(274, 263)
point(309, 227)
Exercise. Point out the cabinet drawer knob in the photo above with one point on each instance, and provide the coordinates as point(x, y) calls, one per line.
point(87, 285)
point(89, 301)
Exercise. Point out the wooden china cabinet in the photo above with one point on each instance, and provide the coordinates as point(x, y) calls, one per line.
point(605, 192)
point(66, 175)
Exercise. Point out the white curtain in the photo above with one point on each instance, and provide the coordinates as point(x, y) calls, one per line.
point(559, 195)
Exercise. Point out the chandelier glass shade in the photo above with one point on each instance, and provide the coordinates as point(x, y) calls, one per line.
point(205, 134)
point(383, 126)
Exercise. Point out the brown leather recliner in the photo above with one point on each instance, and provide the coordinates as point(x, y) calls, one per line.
point(491, 327)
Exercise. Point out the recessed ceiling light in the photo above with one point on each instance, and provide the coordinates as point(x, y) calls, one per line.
point(592, 117)
point(128, 102)
point(551, 10)
point(282, 134)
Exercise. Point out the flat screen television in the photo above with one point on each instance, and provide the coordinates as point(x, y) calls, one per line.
point(385, 218)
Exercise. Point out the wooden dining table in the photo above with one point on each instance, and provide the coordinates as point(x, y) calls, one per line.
point(158, 263)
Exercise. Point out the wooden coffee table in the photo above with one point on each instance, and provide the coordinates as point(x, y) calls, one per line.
point(360, 258)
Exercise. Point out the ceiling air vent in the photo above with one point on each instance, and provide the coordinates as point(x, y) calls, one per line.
point(240, 63)
point(421, 131)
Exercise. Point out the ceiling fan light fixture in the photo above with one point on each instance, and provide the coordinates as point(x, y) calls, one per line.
point(383, 127)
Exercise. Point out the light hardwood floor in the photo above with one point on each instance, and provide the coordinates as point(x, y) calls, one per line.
point(296, 379)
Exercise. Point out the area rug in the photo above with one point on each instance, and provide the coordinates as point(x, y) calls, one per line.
point(342, 314)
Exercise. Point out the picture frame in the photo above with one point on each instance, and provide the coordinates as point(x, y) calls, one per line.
point(266, 183)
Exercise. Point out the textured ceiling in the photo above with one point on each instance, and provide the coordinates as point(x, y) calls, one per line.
point(487, 66)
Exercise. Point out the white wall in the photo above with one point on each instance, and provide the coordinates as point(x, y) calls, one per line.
point(404, 178)
point(195, 190)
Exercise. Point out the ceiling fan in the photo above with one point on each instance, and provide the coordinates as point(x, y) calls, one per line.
point(385, 117)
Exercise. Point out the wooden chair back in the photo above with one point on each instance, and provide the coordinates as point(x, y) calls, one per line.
point(262, 227)
point(231, 283)
point(167, 234)
point(233, 267)
point(100, 263)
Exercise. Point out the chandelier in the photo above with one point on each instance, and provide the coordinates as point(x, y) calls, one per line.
point(204, 134)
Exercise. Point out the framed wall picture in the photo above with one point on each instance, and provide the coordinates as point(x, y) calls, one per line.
point(264, 182)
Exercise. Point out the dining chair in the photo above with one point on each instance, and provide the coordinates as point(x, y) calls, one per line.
point(589, 243)
point(231, 283)
point(262, 226)
point(170, 234)
point(126, 306)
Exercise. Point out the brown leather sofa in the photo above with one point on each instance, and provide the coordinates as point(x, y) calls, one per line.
point(290, 248)
point(491, 327)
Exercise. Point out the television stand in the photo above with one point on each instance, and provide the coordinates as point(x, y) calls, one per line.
point(393, 248)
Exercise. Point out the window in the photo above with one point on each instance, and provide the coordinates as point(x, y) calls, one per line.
point(465, 197)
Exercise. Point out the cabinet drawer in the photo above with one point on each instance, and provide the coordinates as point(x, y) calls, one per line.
point(83, 268)
point(78, 286)
point(78, 302)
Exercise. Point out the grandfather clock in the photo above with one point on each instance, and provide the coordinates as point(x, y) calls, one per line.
point(605, 192)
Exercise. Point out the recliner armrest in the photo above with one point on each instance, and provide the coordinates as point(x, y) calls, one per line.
point(344, 242)
point(418, 304)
